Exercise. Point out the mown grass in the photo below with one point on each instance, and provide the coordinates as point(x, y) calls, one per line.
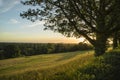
point(44, 67)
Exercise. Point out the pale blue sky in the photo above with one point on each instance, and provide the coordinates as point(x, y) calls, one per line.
point(15, 29)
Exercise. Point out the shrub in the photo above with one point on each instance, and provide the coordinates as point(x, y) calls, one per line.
point(106, 67)
point(113, 58)
point(94, 71)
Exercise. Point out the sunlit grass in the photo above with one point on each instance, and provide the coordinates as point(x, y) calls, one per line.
point(46, 65)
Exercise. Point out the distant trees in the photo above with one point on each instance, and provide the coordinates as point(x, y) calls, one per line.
point(10, 50)
point(2, 54)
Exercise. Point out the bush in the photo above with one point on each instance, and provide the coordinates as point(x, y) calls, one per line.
point(106, 67)
point(94, 71)
point(113, 58)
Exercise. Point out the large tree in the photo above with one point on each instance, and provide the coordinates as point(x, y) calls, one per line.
point(87, 18)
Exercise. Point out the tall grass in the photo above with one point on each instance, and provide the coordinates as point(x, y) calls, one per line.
point(44, 67)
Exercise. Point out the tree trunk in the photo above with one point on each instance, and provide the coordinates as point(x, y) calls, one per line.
point(115, 40)
point(100, 45)
point(119, 41)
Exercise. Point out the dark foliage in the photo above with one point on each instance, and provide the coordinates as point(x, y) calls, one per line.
point(10, 50)
point(106, 67)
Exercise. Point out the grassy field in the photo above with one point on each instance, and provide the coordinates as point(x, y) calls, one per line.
point(43, 67)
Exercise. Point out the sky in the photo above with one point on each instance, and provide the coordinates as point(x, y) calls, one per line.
point(15, 29)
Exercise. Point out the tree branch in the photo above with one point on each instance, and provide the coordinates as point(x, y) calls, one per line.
point(82, 16)
point(80, 32)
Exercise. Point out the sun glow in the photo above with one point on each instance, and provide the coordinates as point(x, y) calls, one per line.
point(81, 39)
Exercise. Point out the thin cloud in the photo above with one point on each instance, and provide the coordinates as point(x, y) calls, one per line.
point(13, 21)
point(35, 24)
point(0, 2)
point(6, 5)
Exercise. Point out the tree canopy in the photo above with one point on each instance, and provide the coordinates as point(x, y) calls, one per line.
point(95, 20)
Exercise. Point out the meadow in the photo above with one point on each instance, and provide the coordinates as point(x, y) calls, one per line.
point(43, 67)
point(79, 65)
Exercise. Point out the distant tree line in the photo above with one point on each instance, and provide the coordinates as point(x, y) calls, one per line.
point(12, 50)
